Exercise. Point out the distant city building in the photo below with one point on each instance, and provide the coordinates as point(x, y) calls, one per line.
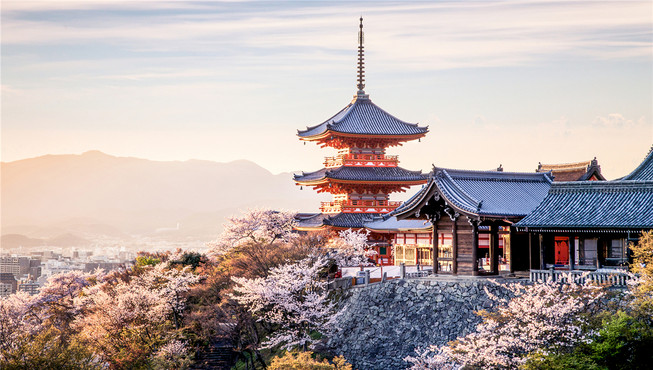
point(9, 265)
point(30, 287)
point(20, 266)
point(52, 267)
point(8, 284)
point(107, 266)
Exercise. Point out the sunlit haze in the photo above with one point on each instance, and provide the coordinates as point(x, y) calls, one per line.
point(511, 83)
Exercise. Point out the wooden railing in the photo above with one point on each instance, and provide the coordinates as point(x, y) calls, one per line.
point(366, 160)
point(340, 283)
point(351, 205)
point(613, 278)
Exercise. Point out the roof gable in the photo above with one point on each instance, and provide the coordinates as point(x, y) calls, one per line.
point(580, 171)
point(492, 193)
point(645, 169)
point(481, 193)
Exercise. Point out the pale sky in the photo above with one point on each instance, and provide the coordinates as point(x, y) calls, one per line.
point(512, 83)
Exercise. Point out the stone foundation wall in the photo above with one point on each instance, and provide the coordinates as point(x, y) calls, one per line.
point(380, 324)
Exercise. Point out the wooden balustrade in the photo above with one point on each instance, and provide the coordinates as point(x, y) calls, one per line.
point(366, 160)
point(613, 278)
point(351, 205)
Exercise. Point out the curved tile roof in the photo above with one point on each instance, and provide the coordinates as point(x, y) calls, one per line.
point(310, 220)
point(482, 193)
point(414, 200)
point(594, 205)
point(645, 169)
point(350, 220)
point(392, 224)
point(389, 174)
point(493, 193)
point(362, 117)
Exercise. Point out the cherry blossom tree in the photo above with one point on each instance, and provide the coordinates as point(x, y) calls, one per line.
point(18, 326)
point(252, 244)
point(129, 321)
point(35, 331)
point(291, 297)
point(541, 316)
point(433, 358)
point(256, 226)
point(172, 355)
point(350, 248)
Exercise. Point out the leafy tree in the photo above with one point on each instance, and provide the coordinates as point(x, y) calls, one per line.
point(643, 265)
point(622, 342)
point(306, 361)
point(142, 261)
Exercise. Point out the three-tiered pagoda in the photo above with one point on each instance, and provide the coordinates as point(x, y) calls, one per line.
point(361, 175)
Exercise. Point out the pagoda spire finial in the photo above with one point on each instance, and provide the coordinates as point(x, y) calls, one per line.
point(361, 60)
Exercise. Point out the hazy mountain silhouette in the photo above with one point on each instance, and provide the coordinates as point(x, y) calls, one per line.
point(99, 194)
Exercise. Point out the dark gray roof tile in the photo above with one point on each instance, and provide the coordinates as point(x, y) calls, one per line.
point(390, 174)
point(594, 205)
point(645, 169)
point(363, 117)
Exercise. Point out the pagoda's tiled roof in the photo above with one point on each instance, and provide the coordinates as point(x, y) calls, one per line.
point(483, 193)
point(350, 220)
point(594, 205)
point(389, 174)
point(309, 220)
point(644, 171)
point(362, 117)
point(343, 220)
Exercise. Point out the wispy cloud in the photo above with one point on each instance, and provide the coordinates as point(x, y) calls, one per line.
point(457, 34)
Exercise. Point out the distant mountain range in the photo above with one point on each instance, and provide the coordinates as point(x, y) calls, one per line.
point(98, 195)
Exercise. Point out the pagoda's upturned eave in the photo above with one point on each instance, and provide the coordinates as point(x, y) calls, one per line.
point(331, 133)
point(327, 180)
point(309, 228)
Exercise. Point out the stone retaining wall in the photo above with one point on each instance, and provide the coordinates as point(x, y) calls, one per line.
point(380, 324)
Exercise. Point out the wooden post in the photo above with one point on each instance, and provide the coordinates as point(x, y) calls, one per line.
point(454, 247)
point(494, 248)
point(572, 252)
point(508, 250)
point(599, 252)
point(434, 222)
point(474, 247)
point(530, 250)
point(542, 264)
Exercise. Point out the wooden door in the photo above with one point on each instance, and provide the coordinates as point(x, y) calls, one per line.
point(561, 250)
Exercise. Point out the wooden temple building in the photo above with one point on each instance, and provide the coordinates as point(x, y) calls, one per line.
point(471, 215)
point(361, 176)
point(587, 225)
